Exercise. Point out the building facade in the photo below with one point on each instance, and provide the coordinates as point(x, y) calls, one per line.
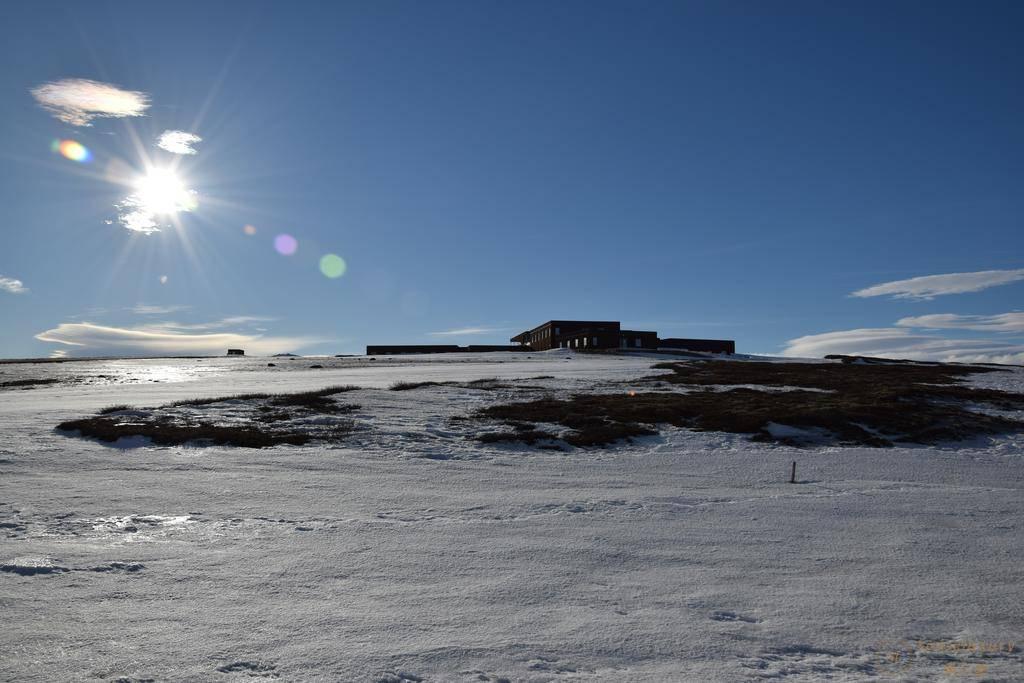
point(608, 334)
point(570, 334)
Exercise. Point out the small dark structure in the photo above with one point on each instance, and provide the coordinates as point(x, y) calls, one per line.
point(236, 352)
point(607, 334)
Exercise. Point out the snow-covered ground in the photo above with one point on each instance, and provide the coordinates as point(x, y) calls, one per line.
point(410, 552)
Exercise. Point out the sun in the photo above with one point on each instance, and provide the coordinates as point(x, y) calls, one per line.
point(160, 192)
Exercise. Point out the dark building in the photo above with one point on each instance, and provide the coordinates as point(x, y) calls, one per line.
point(607, 334)
point(410, 348)
point(571, 334)
point(393, 350)
point(236, 352)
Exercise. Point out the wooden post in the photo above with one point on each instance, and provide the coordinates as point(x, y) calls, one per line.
point(792, 475)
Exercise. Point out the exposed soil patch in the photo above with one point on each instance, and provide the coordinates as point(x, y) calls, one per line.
point(110, 430)
point(832, 403)
point(26, 383)
point(267, 420)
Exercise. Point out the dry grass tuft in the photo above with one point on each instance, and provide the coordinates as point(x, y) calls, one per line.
point(114, 409)
point(486, 383)
point(406, 386)
point(298, 398)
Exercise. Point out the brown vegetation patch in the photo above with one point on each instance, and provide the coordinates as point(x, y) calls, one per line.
point(868, 405)
point(896, 379)
point(109, 430)
point(270, 424)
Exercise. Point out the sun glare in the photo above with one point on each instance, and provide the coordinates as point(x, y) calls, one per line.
point(162, 193)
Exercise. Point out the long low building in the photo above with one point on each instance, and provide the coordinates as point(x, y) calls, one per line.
point(399, 349)
point(579, 335)
point(608, 334)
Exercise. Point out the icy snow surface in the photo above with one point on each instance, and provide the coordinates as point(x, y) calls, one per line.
point(411, 553)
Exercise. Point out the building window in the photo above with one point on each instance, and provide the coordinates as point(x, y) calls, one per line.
point(637, 342)
point(558, 330)
point(594, 343)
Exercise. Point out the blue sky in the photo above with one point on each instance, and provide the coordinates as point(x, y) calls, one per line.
point(728, 170)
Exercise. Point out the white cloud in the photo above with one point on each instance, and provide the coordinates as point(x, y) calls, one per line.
point(178, 141)
point(468, 331)
point(78, 101)
point(898, 342)
point(245, 319)
point(1002, 322)
point(931, 286)
point(99, 339)
point(9, 284)
point(136, 219)
point(147, 309)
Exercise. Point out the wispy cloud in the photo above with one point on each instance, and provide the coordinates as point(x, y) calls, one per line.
point(78, 101)
point(899, 342)
point(468, 331)
point(135, 219)
point(148, 309)
point(931, 286)
point(1002, 322)
point(178, 142)
point(9, 284)
point(231, 321)
point(99, 339)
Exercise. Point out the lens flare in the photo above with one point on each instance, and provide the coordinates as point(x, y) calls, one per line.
point(163, 279)
point(333, 266)
point(285, 244)
point(249, 230)
point(70, 149)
